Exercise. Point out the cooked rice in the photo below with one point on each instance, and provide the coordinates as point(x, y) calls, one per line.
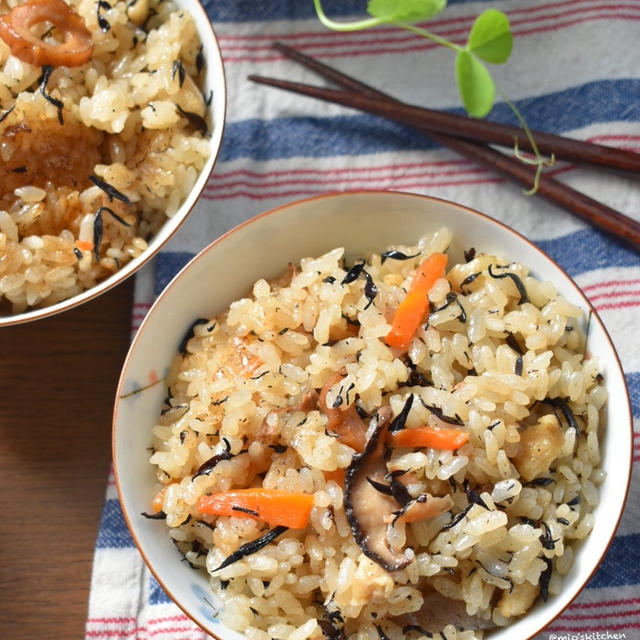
point(121, 124)
point(241, 380)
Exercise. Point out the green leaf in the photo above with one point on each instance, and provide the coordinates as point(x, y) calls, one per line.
point(405, 10)
point(490, 37)
point(474, 84)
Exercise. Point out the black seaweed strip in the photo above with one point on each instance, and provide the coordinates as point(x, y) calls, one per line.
point(516, 280)
point(563, 521)
point(278, 448)
point(545, 538)
point(251, 512)
point(417, 629)
point(470, 279)
point(217, 403)
point(207, 102)
point(382, 488)
point(362, 413)
point(399, 421)
point(161, 515)
point(283, 331)
point(370, 289)
point(209, 464)
point(339, 399)
point(77, 253)
point(443, 636)
point(97, 234)
point(574, 501)
point(6, 113)
point(450, 299)
point(545, 577)
point(469, 254)
point(396, 255)
point(103, 23)
point(472, 496)
point(251, 547)
point(196, 121)
point(381, 633)
point(452, 483)
point(529, 521)
point(178, 68)
point(111, 192)
point(513, 343)
point(199, 60)
point(44, 79)
point(441, 416)
point(329, 279)
point(182, 347)
point(353, 273)
point(492, 426)
point(561, 404)
point(330, 630)
point(457, 518)
point(539, 482)
point(399, 491)
point(519, 365)
point(22, 169)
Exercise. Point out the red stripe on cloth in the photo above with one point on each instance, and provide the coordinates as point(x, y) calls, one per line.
point(262, 195)
point(355, 47)
point(604, 603)
point(603, 616)
point(618, 305)
point(114, 620)
point(259, 175)
point(611, 283)
point(614, 294)
point(283, 180)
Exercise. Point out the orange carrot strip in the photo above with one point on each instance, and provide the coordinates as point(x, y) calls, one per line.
point(16, 26)
point(274, 506)
point(410, 311)
point(84, 245)
point(158, 499)
point(450, 439)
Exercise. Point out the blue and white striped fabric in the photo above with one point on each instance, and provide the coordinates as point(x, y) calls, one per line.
point(574, 71)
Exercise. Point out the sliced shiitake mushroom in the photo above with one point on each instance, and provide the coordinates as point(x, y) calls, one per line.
point(366, 507)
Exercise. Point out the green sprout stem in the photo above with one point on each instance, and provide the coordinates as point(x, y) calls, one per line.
point(344, 26)
point(431, 36)
point(539, 161)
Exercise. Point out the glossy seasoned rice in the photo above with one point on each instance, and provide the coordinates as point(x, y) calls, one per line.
point(122, 122)
point(500, 357)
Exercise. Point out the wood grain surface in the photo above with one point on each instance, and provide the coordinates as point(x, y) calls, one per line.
point(58, 379)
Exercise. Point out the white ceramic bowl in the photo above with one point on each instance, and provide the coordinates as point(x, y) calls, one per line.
point(213, 81)
point(361, 222)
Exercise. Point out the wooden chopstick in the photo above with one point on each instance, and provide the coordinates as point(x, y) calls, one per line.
point(594, 212)
point(462, 126)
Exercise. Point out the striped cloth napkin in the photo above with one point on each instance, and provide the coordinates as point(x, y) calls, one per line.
point(574, 71)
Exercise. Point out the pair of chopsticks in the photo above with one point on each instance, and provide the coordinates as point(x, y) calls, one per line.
point(470, 137)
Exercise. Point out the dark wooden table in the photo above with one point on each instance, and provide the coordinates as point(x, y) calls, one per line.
point(58, 380)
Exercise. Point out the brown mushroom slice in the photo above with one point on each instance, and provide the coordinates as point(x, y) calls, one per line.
point(365, 506)
point(438, 611)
